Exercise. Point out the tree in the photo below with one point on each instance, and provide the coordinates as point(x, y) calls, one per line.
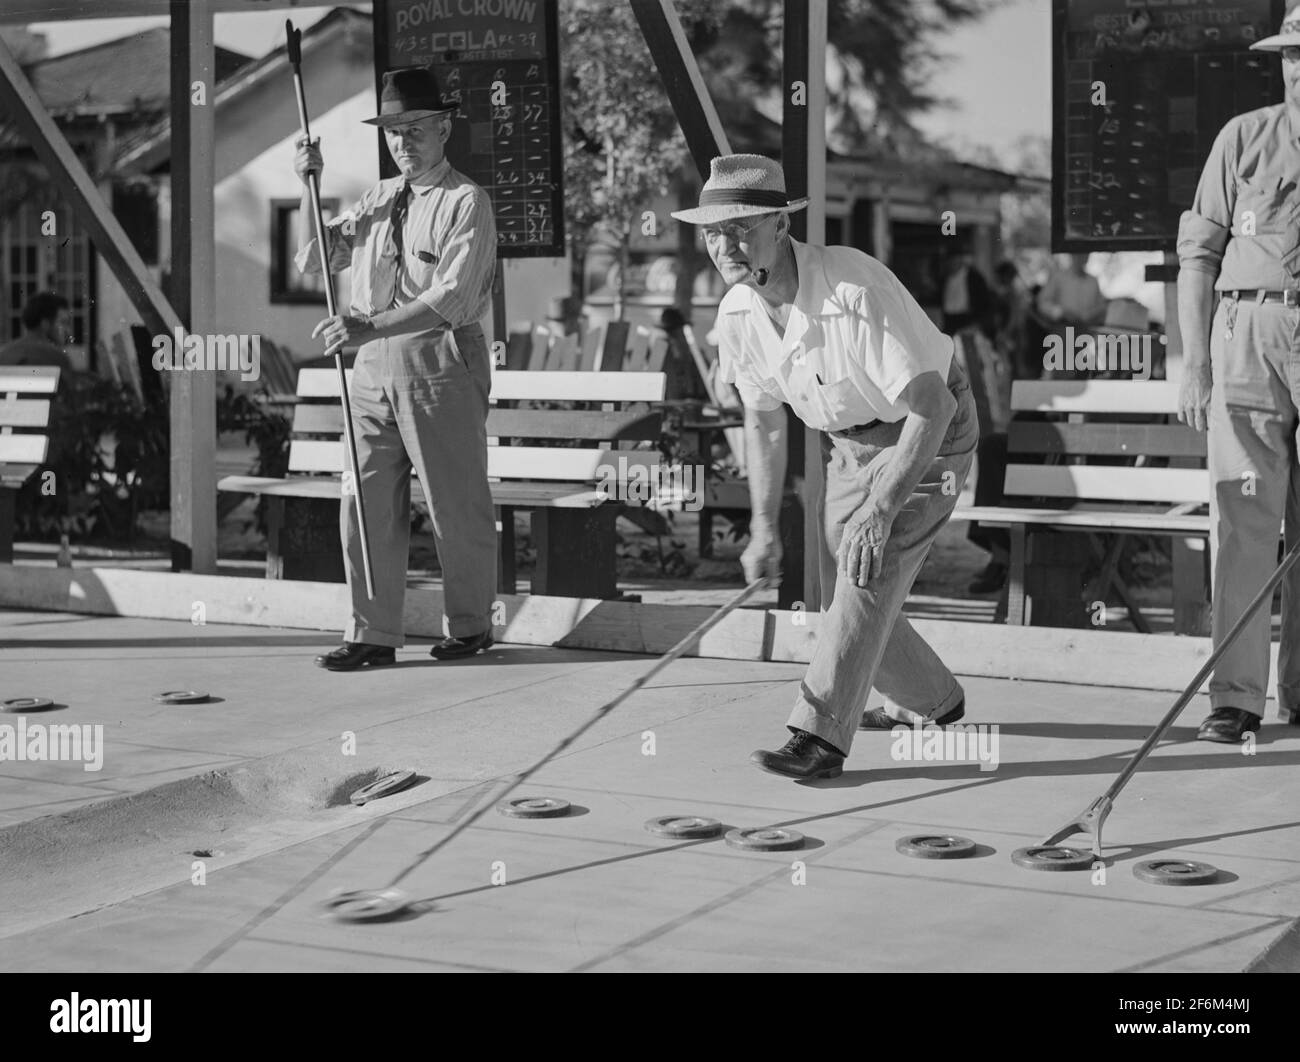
point(623, 147)
point(880, 63)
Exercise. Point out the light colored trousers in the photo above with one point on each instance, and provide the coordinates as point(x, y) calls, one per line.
point(864, 640)
point(1256, 486)
point(422, 402)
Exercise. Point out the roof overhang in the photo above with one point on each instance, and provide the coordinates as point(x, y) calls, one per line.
point(24, 12)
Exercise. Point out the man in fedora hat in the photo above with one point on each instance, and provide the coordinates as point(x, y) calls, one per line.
point(833, 333)
point(422, 250)
point(1241, 382)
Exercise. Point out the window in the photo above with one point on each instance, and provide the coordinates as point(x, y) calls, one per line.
point(288, 285)
point(32, 261)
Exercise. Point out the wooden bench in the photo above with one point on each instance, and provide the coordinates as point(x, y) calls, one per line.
point(561, 486)
point(1106, 459)
point(26, 395)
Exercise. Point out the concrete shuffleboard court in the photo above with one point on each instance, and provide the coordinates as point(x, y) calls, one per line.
point(206, 836)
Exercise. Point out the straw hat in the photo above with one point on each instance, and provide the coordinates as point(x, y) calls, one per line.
point(1287, 37)
point(741, 186)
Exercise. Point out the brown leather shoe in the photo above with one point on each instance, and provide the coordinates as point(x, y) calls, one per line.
point(1226, 725)
point(804, 756)
point(353, 655)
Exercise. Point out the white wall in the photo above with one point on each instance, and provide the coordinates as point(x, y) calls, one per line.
point(243, 212)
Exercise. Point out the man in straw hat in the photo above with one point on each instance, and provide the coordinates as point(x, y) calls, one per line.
point(832, 332)
point(422, 250)
point(1241, 382)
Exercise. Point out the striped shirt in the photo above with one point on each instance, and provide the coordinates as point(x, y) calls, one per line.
point(448, 255)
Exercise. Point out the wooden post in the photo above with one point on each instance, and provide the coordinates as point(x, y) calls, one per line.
point(500, 325)
point(193, 273)
point(682, 80)
point(803, 142)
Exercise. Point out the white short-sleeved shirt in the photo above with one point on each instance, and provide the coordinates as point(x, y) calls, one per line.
point(854, 341)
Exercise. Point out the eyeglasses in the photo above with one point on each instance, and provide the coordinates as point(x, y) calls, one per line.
point(732, 230)
point(1291, 54)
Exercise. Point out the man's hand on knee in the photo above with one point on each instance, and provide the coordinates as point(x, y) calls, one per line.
point(862, 549)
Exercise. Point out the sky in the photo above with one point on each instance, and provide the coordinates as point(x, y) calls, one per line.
point(998, 76)
point(994, 100)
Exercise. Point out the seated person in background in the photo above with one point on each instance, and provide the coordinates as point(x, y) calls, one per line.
point(47, 327)
point(1071, 297)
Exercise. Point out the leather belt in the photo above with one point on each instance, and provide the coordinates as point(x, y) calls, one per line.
point(857, 428)
point(1290, 297)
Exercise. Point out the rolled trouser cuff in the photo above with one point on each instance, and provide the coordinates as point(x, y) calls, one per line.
point(359, 632)
point(911, 718)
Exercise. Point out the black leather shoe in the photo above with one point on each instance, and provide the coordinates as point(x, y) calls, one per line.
point(992, 578)
point(1227, 725)
point(353, 655)
point(876, 719)
point(804, 756)
point(455, 648)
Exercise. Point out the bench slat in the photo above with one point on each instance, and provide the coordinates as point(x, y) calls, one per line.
point(1094, 396)
point(1112, 521)
point(24, 412)
point(16, 475)
point(23, 449)
point(327, 419)
point(518, 495)
point(510, 385)
point(1109, 483)
point(1152, 440)
point(580, 386)
point(30, 379)
point(504, 462)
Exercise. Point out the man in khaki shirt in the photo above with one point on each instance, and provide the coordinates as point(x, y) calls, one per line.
point(1241, 381)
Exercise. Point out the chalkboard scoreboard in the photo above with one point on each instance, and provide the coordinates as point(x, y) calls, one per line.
point(500, 59)
point(1172, 73)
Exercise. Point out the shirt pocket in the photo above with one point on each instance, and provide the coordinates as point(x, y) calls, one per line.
point(1262, 208)
point(836, 402)
point(421, 265)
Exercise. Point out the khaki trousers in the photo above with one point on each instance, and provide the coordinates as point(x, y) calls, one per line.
point(421, 402)
point(1255, 480)
point(864, 640)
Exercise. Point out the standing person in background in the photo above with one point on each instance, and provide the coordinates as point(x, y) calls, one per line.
point(1012, 321)
point(1240, 382)
point(1012, 302)
point(967, 299)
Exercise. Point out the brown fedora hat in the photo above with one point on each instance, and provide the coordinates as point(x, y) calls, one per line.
point(408, 94)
